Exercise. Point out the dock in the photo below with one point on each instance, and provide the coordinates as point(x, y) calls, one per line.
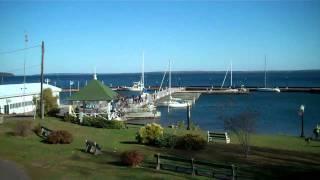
point(209, 90)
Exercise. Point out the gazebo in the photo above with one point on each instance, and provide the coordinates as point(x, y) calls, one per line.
point(95, 98)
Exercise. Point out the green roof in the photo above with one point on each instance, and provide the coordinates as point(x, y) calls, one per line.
point(94, 91)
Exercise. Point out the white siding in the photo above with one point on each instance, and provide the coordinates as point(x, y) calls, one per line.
point(19, 101)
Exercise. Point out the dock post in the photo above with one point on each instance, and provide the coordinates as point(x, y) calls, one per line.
point(158, 161)
point(234, 173)
point(193, 168)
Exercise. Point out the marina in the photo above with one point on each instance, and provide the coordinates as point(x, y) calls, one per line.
point(159, 90)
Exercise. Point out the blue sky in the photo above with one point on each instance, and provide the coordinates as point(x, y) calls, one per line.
point(196, 35)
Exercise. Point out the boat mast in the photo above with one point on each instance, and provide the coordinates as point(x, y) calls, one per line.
point(231, 74)
point(265, 71)
point(164, 75)
point(170, 78)
point(224, 79)
point(142, 75)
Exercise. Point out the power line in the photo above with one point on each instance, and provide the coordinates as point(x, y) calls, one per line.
point(20, 69)
point(18, 50)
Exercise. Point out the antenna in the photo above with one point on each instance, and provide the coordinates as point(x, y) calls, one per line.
point(25, 56)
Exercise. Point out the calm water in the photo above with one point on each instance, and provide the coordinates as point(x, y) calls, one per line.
point(276, 113)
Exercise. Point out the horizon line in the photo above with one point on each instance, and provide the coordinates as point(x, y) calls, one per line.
point(186, 71)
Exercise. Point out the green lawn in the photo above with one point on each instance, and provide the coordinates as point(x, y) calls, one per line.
point(271, 156)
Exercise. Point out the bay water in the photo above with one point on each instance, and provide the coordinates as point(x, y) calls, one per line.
point(276, 113)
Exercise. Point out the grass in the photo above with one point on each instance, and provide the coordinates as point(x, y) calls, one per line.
point(271, 157)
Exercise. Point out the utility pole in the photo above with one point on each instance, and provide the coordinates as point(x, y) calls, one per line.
point(41, 81)
point(24, 70)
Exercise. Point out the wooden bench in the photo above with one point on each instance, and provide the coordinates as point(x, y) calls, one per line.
point(196, 167)
point(92, 147)
point(215, 136)
point(45, 132)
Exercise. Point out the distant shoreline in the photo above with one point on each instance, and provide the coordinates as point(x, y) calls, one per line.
point(184, 72)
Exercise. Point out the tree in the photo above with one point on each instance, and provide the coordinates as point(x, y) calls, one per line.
point(50, 103)
point(242, 125)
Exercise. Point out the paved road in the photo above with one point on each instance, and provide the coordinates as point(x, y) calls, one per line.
point(10, 171)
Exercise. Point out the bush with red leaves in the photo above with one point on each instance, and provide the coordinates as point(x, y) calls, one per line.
point(60, 137)
point(131, 158)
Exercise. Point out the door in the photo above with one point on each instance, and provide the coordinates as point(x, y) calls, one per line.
point(6, 109)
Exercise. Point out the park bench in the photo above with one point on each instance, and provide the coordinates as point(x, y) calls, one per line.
point(45, 132)
point(92, 147)
point(196, 167)
point(215, 136)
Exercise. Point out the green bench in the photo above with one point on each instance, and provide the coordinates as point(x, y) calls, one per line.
point(196, 167)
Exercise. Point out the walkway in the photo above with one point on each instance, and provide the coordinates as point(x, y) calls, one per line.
point(10, 171)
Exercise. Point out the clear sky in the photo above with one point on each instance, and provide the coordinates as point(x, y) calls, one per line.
point(201, 35)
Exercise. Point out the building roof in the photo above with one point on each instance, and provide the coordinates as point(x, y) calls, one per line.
point(13, 90)
point(94, 91)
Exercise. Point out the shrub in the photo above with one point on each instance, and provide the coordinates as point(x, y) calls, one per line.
point(100, 122)
point(53, 112)
point(37, 129)
point(131, 158)
point(194, 127)
point(50, 103)
point(150, 134)
point(114, 124)
point(23, 128)
point(60, 137)
point(86, 121)
point(181, 125)
point(191, 142)
point(167, 140)
point(69, 118)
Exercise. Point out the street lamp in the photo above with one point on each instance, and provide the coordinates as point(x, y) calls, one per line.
point(301, 113)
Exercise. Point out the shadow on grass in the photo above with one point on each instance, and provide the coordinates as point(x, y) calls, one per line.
point(129, 142)
point(44, 141)
point(117, 163)
point(80, 149)
point(10, 134)
point(315, 146)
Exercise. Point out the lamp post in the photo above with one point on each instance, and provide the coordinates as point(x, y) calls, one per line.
point(188, 116)
point(301, 113)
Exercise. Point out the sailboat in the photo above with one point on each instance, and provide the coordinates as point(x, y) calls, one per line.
point(231, 89)
point(138, 86)
point(265, 89)
point(174, 102)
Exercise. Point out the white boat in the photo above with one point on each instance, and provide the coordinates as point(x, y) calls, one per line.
point(175, 102)
point(138, 86)
point(269, 89)
point(231, 89)
point(265, 88)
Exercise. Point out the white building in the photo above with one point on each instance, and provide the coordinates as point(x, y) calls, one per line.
point(18, 98)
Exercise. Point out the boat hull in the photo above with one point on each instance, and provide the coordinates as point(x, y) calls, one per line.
point(268, 89)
